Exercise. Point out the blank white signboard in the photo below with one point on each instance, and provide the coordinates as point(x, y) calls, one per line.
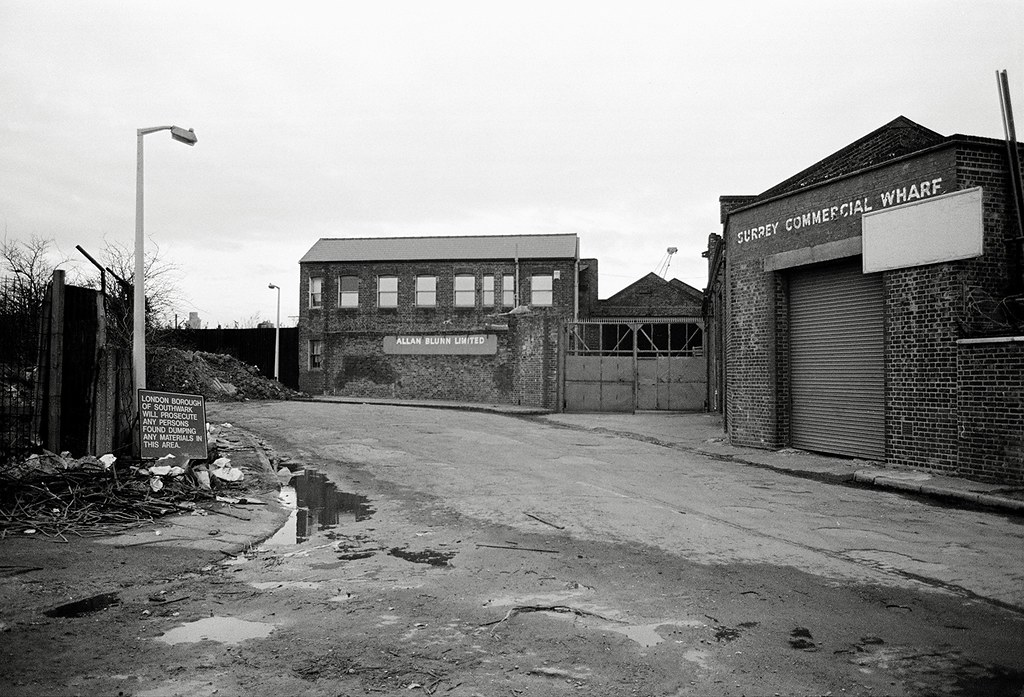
point(930, 231)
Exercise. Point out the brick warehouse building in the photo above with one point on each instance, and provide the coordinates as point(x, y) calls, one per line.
point(471, 318)
point(871, 306)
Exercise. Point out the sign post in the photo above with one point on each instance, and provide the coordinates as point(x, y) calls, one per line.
point(172, 424)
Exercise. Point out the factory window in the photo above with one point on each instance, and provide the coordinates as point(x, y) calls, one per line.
point(316, 354)
point(465, 290)
point(508, 291)
point(316, 287)
point(387, 291)
point(541, 290)
point(426, 291)
point(487, 288)
point(348, 291)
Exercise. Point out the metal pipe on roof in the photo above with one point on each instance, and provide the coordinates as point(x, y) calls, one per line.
point(1017, 186)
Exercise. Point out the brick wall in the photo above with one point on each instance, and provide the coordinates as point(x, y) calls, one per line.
point(922, 305)
point(355, 365)
point(989, 278)
point(752, 397)
point(534, 366)
point(990, 409)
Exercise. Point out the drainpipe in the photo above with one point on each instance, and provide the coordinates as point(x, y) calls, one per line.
point(516, 298)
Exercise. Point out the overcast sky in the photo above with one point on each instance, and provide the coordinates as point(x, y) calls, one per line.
point(620, 122)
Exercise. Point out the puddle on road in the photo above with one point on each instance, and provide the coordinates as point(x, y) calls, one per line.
point(85, 606)
point(699, 656)
point(226, 630)
point(647, 634)
point(317, 505)
point(599, 617)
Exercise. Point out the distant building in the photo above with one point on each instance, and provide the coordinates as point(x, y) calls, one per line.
point(870, 306)
point(653, 296)
point(471, 318)
point(643, 349)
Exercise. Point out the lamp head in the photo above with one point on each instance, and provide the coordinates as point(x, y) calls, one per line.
point(181, 135)
point(273, 286)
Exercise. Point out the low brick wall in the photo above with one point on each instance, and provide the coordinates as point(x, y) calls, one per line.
point(990, 409)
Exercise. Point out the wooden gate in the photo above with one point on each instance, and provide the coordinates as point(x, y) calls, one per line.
point(638, 365)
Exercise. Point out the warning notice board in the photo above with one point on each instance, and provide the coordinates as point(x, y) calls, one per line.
point(172, 424)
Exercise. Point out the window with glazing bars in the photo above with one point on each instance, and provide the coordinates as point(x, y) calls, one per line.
point(508, 290)
point(316, 354)
point(541, 290)
point(348, 291)
point(487, 291)
point(387, 291)
point(316, 287)
point(426, 291)
point(465, 290)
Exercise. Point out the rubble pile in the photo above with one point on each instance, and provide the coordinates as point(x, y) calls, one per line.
point(216, 376)
point(55, 495)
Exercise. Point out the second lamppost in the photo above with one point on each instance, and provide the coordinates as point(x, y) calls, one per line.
point(277, 335)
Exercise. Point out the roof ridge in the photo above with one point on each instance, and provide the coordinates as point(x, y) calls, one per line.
point(891, 141)
point(453, 237)
point(443, 247)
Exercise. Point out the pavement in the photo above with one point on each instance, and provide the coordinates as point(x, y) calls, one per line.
point(226, 528)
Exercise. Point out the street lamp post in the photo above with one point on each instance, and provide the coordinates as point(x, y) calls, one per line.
point(277, 335)
point(139, 296)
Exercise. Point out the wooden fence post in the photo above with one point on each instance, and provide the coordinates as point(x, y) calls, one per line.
point(56, 362)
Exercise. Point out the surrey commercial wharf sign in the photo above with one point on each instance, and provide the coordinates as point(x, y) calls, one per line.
point(842, 209)
point(442, 344)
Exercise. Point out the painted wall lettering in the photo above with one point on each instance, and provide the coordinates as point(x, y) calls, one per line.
point(845, 209)
point(452, 344)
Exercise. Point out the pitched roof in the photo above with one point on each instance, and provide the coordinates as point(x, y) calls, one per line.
point(899, 137)
point(653, 289)
point(562, 246)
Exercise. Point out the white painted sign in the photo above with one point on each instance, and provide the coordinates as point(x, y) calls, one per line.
point(450, 344)
point(941, 228)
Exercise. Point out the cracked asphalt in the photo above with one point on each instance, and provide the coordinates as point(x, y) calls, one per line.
point(469, 553)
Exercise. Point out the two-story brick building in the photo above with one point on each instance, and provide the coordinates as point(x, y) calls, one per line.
point(872, 307)
point(472, 318)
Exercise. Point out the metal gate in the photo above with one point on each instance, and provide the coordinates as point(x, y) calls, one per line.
point(837, 360)
point(634, 365)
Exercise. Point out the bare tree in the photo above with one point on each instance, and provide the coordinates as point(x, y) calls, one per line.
point(28, 266)
point(162, 279)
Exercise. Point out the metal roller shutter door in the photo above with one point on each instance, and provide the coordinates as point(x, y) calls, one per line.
point(837, 361)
